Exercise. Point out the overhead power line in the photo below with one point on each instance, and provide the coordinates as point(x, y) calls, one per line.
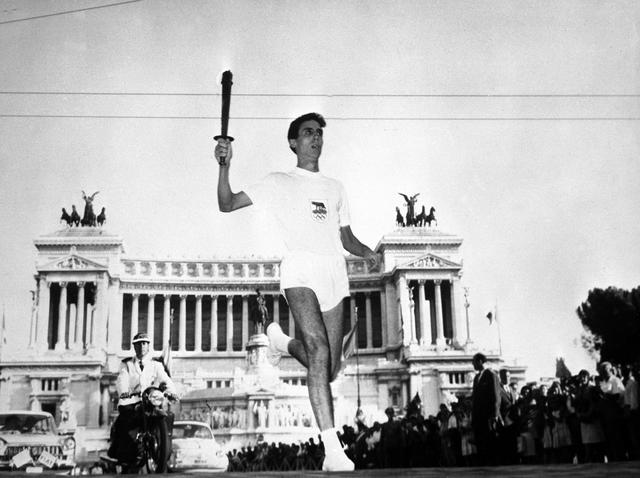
point(67, 12)
point(341, 118)
point(326, 95)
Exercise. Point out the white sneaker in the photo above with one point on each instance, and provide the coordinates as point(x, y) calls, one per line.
point(273, 354)
point(337, 461)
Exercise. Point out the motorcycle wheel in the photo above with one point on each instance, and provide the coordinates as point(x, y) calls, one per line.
point(156, 453)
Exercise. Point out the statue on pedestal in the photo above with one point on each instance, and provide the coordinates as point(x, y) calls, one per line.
point(89, 218)
point(411, 203)
point(263, 314)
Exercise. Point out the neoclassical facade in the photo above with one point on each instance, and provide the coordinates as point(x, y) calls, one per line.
point(91, 298)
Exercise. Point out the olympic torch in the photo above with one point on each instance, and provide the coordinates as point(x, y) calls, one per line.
point(227, 77)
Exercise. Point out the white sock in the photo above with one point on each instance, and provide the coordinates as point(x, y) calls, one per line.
point(330, 440)
point(278, 339)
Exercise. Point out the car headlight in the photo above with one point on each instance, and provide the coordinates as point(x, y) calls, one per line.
point(69, 444)
point(3, 446)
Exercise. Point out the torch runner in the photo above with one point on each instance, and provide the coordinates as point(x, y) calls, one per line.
point(227, 77)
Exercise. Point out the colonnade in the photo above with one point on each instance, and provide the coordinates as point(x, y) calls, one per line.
point(195, 324)
point(76, 319)
point(433, 314)
point(197, 329)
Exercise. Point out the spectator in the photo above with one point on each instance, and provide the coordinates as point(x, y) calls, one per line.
point(587, 406)
point(611, 406)
point(486, 410)
point(467, 447)
point(508, 433)
point(631, 414)
point(392, 441)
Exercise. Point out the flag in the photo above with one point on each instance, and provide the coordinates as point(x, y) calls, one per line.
point(492, 315)
point(349, 341)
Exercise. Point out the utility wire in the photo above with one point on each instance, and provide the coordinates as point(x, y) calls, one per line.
point(37, 17)
point(343, 118)
point(323, 95)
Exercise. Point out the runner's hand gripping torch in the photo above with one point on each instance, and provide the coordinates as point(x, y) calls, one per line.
point(227, 76)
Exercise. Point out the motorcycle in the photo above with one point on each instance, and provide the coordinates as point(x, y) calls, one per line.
point(151, 425)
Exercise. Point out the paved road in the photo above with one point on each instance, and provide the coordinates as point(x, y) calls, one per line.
point(631, 469)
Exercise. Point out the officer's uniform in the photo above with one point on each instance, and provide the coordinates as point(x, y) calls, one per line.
point(135, 376)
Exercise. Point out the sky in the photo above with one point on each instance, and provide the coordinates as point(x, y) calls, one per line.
point(518, 121)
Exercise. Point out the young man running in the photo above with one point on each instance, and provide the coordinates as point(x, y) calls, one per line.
point(312, 212)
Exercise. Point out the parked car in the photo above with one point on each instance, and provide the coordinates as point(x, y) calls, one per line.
point(31, 438)
point(195, 448)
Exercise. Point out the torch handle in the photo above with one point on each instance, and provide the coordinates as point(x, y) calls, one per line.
point(227, 77)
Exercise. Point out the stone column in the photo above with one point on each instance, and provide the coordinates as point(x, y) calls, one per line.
point(43, 314)
point(412, 318)
point(91, 319)
point(440, 341)
point(134, 314)
point(368, 319)
point(198, 327)
point(166, 320)
point(62, 317)
point(276, 309)
point(151, 314)
point(114, 338)
point(80, 316)
point(457, 306)
point(384, 318)
point(213, 331)
point(245, 321)
point(182, 324)
point(99, 332)
point(292, 326)
point(404, 311)
point(73, 313)
point(229, 322)
point(33, 322)
point(393, 323)
point(422, 304)
point(105, 406)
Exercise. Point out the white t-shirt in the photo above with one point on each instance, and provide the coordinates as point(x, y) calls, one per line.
point(308, 208)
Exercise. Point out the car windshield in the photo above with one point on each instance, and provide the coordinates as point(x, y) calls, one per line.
point(191, 430)
point(25, 423)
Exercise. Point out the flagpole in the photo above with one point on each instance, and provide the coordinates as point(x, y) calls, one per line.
point(357, 362)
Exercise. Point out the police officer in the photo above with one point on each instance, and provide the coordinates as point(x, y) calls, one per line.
point(136, 374)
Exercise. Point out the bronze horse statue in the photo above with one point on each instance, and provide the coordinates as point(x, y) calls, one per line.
point(399, 218)
point(423, 218)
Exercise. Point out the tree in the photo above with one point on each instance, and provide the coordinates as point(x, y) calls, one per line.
point(611, 318)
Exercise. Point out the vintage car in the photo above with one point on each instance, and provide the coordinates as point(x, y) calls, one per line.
point(31, 439)
point(195, 449)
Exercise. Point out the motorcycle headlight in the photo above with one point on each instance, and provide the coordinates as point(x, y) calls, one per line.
point(156, 398)
point(68, 444)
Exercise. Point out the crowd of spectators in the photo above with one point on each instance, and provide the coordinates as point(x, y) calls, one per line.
point(278, 457)
point(578, 419)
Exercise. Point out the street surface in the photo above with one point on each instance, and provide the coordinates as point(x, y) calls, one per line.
point(631, 469)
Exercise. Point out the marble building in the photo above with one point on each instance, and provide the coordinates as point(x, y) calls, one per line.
point(91, 298)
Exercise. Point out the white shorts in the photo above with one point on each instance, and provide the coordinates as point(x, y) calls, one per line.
point(325, 275)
